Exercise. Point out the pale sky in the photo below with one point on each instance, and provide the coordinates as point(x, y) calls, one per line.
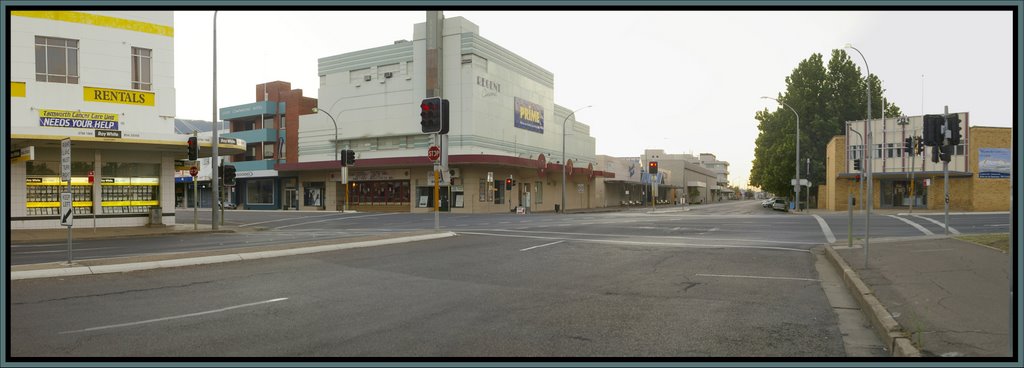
point(682, 81)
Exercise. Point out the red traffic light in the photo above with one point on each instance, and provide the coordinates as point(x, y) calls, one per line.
point(425, 107)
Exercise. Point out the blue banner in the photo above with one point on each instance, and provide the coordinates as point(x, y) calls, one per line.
point(529, 116)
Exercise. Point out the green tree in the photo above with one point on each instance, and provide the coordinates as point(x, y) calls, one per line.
point(825, 98)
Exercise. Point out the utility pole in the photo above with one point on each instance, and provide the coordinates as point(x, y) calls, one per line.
point(214, 178)
point(434, 88)
point(945, 164)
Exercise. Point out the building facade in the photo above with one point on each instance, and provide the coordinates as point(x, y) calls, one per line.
point(504, 124)
point(979, 169)
point(104, 80)
point(694, 184)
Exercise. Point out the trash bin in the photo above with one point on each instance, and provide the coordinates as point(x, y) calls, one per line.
point(558, 207)
point(156, 216)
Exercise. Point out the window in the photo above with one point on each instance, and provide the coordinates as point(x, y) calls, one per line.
point(499, 195)
point(259, 191)
point(268, 151)
point(142, 69)
point(486, 191)
point(878, 151)
point(56, 60)
point(892, 150)
point(538, 192)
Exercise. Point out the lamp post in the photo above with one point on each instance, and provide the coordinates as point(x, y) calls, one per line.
point(563, 153)
point(867, 162)
point(796, 186)
point(215, 181)
point(316, 110)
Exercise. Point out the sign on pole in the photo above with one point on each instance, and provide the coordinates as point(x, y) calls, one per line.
point(66, 217)
point(434, 153)
point(65, 159)
point(193, 171)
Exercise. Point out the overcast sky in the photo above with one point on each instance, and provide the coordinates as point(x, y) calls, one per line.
point(682, 81)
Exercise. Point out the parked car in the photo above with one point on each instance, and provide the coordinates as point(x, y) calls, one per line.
point(768, 202)
point(780, 205)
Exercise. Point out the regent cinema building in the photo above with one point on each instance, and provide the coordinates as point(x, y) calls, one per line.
point(979, 168)
point(504, 124)
point(105, 80)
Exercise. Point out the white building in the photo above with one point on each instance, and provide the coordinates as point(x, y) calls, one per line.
point(504, 123)
point(104, 79)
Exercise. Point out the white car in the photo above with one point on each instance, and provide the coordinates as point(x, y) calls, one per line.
point(780, 204)
point(768, 202)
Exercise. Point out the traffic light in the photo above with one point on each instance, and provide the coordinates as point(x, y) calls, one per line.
point(348, 158)
point(508, 184)
point(444, 117)
point(856, 164)
point(954, 127)
point(908, 145)
point(652, 167)
point(430, 115)
point(193, 148)
point(229, 175)
point(945, 153)
point(919, 145)
point(933, 130)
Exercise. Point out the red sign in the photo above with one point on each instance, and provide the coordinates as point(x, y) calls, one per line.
point(90, 177)
point(193, 171)
point(434, 153)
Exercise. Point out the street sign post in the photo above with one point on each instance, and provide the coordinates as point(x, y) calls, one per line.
point(66, 216)
point(65, 160)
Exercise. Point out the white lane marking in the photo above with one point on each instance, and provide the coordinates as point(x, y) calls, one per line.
point(172, 317)
point(648, 243)
point(914, 224)
point(650, 237)
point(760, 277)
point(285, 219)
point(942, 225)
point(675, 228)
point(997, 225)
point(542, 245)
point(333, 219)
point(932, 250)
point(825, 229)
point(65, 250)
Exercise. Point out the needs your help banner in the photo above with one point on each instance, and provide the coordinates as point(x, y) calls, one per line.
point(77, 119)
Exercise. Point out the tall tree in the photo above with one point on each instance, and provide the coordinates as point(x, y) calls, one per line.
point(825, 98)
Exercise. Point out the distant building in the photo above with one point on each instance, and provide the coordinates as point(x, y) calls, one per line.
point(270, 129)
point(691, 180)
point(979, 168)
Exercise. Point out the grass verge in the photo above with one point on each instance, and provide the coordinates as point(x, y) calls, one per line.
point(999, 241)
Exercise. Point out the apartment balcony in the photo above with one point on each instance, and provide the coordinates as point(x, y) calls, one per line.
point(256, 135)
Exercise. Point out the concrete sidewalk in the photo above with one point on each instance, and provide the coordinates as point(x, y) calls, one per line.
point(28, 236)
point(932, 296)
point(167, 260)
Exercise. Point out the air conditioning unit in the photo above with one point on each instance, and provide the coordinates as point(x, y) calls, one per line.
point(387, 74)
point(366, 77)
point(455, 172)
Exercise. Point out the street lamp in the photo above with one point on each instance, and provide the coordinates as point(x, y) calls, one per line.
point(563, 153)
point(214, 196)
point(316, 110)
point(867, 162)
point(796, 186)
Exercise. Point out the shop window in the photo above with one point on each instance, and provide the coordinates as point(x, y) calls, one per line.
point(486, 191)
point(538, 192)
point(499, 193)
point(259, 191)
point(56, 60)
point(424, 197)
point(313, 194)
point(142, 69)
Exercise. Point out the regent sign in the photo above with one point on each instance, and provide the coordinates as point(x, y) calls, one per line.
point(119, 96)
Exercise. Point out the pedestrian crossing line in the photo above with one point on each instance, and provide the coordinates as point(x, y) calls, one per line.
point(914, 224)
point(951, 229)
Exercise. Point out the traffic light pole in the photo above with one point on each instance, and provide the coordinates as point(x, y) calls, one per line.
point(945, 169)
point(437, 191)
point(195, 192)
point(913, 161)
point(220, 188)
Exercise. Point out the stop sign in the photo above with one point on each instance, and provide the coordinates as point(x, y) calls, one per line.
point(193, 171)
point(434, 153)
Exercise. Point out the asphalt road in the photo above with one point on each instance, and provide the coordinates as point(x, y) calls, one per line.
point(484, 295)
point(723, 280)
